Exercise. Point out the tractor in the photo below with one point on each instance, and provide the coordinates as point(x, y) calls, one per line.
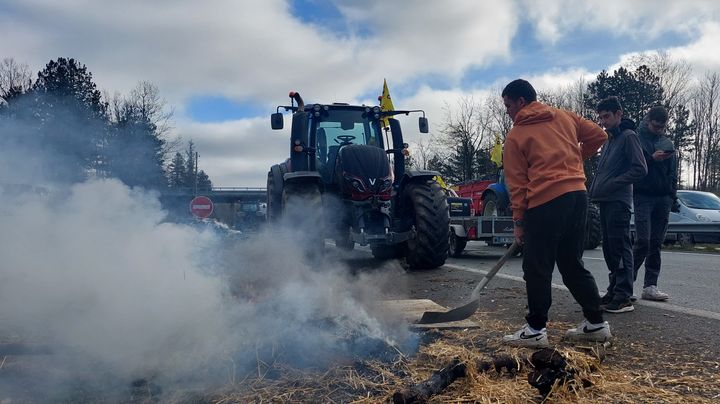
point(354, 186)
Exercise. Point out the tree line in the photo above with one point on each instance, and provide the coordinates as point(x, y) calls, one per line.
point(461, 149)
point(75, 132)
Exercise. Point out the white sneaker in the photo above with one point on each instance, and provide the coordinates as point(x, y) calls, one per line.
point(652, 293)
point(587, 332)
point(527, 337)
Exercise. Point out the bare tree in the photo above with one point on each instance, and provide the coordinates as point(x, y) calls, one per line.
point(15, 78)
point(705, 108)
point(674, 75)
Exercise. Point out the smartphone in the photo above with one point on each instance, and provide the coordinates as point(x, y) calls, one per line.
point(668, 151)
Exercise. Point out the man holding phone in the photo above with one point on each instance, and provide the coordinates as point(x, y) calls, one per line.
point(653, 198)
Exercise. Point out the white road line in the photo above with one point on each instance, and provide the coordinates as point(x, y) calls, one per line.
point(660, 305)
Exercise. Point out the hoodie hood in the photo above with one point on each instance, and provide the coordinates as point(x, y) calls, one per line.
point(626, 123)
point(533, 113)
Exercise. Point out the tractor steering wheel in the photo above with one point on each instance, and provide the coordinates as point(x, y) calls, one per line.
point(345, 139)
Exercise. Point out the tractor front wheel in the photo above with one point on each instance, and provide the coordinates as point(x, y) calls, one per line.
point(428, 207)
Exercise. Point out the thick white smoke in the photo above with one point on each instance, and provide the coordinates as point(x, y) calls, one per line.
point(96, 273)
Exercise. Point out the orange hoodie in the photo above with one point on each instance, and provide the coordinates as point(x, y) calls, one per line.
point(544, 152)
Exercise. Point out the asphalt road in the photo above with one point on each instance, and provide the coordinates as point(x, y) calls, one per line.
point(691, 279)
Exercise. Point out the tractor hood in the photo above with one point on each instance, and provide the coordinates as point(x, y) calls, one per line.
point(365, 170)
point(364, 161)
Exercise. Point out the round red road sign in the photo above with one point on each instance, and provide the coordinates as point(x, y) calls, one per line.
point(201, 206)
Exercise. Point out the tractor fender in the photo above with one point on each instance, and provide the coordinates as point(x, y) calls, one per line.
point(501, 195)
point(303, 177)
point(459, 230)
point(415, 175)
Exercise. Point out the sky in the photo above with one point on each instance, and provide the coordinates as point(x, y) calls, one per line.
point(223, 66)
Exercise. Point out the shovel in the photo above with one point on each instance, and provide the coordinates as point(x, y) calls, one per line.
point(467, 310)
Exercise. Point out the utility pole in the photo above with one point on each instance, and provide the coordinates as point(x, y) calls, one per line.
point(196, 172)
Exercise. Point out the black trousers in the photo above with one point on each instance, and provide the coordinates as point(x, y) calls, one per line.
point(555, 233)
point(617, 249)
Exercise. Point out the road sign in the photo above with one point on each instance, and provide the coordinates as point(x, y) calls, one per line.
point(201, 206)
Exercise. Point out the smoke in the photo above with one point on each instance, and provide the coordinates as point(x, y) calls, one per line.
point(96, 273)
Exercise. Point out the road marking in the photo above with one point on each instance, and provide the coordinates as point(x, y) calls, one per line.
point(659, 305)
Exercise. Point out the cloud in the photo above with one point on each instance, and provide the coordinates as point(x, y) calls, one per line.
point(254, 52)
point(640, 19)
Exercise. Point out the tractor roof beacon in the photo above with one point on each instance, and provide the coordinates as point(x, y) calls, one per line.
point(344, 179)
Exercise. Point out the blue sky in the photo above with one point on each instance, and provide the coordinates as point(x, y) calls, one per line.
point(224, 66)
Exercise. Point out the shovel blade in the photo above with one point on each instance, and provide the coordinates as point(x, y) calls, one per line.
point(456, 314)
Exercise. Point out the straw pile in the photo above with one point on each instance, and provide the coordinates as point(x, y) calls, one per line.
point(600, 373)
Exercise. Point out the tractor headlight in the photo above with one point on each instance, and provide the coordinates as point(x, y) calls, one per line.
point(386, 185)
point(355, 183)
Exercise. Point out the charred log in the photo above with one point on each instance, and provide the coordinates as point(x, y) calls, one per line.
point(439, 380)
point(551, 367)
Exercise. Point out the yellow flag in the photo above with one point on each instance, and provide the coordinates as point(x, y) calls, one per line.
point(386, 103)
point(440, 182)
point(496, 153)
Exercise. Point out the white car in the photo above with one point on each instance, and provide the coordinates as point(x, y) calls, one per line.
point(698, 206)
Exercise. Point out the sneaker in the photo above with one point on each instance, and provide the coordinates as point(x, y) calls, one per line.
point(633, 298)
point(606, 299)
point(588, 332)
point(527, 337)
point(619, 307)
point(652, 293)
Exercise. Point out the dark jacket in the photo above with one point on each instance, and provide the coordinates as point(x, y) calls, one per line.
point(621, 163)
point(662, 176)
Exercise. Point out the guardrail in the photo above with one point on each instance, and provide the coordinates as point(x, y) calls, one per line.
point(690, 227)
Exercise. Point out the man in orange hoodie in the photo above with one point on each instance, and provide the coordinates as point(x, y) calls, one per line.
point(543, 161)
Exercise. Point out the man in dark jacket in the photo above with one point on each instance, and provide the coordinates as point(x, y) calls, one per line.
point(653, 198)
point(621, 163)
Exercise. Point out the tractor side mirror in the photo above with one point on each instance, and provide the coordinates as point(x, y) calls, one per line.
point(423, 124)
point(276, 120)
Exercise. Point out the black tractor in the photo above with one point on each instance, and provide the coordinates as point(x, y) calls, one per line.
point(353, 187)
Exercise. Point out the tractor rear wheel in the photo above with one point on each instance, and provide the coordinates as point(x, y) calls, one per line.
point(429, 209)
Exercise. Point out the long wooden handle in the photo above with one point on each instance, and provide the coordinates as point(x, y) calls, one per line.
point(499, 264)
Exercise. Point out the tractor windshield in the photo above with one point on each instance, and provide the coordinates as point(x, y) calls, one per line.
point(343, 127)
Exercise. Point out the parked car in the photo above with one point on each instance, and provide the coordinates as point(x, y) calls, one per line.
point(692, 207)
point(698, 206)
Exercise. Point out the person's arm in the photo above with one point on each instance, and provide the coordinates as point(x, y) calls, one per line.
point(516, 176)
point(590, 135)
point(674, 175)
point(634, 155)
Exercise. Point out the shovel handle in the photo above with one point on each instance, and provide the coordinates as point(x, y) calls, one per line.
point(499, 264)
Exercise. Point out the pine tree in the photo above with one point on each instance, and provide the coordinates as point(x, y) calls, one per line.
point(176, 172)
point(70, 120)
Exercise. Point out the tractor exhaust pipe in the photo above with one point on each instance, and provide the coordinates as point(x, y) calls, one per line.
point(294, 95)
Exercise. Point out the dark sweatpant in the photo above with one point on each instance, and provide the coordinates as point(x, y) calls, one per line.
point(555, 233)
point(651, 220)
point(617, 249)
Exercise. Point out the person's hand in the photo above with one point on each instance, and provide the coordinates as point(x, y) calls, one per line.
point(519, 234)
point(661, 155)
point(675, 207)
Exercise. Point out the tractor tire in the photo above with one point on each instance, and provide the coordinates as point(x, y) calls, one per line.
point(274, 200)
point(302, 210)
point(490, 205)
point(593, 230)
point(456, 245)
point(429, 210)
point(274, 193)
point(386, 252)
